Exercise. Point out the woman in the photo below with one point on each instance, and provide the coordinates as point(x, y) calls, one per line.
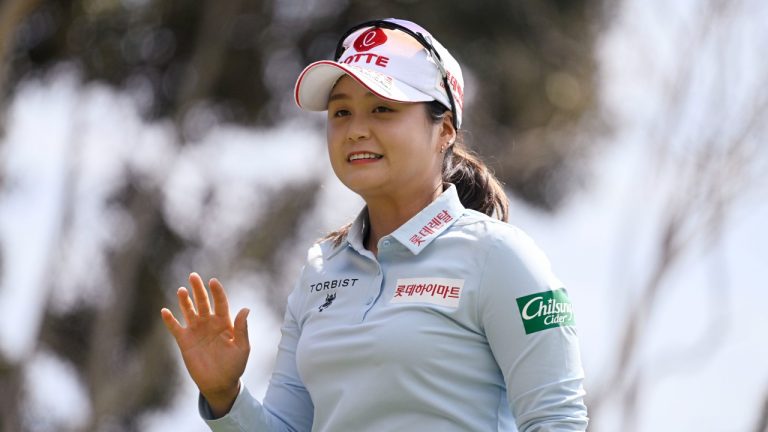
point(428, 312)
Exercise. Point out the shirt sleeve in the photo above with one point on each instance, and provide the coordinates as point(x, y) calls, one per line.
point(287, 405)
point(539, 358)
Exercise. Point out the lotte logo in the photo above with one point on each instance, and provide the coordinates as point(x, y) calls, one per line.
point(370, 39)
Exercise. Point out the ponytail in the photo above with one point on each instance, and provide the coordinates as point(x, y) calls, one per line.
point(477, 187)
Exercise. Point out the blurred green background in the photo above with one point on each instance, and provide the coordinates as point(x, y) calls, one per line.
point(144, 139)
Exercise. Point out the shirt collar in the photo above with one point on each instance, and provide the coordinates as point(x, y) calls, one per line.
point(418, 232)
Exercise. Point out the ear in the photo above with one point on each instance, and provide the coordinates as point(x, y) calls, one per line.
point(447, 131)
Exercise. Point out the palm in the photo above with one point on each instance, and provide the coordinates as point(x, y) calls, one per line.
point(215, 351)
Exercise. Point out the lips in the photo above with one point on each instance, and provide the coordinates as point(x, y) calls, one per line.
point(362, 156)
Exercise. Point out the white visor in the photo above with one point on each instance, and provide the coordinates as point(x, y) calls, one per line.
point(317, 80)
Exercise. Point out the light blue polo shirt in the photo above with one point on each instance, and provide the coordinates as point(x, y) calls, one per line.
point(457, 325)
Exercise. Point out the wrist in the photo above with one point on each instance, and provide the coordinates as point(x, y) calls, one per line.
point(221, 401)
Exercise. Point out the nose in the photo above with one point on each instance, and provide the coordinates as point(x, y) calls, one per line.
point(358, 129)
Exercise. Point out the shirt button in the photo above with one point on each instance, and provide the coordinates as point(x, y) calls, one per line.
point(370, 300)
point(385, 243)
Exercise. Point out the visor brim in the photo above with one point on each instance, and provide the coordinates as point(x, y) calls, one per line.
point(316, 81)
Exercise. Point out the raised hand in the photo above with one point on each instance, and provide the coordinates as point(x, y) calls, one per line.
point(214, 350)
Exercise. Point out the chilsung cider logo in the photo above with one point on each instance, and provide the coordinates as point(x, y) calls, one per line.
point(544, 310)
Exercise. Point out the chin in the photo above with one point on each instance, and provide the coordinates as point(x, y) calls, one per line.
point(365, 189)
point(363, 183)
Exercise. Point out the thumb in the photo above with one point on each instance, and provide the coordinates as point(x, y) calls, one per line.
point(241, 329)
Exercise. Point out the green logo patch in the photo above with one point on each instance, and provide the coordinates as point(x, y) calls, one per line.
point(544, 310)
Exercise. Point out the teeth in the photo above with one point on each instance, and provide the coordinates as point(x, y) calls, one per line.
point(364, 156)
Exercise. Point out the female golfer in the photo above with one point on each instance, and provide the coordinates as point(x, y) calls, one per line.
point(427, 312)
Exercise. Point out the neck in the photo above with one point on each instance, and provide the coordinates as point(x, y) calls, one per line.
point(387, 213)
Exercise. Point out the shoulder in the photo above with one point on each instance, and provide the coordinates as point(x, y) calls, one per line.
point(319, 249)
point(312, 267)
point(512, 258)
point(499, 236)
point(318, 253)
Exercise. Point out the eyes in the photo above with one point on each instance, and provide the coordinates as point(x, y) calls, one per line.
point(382, 109)
point(341, 113)
point(379, 109)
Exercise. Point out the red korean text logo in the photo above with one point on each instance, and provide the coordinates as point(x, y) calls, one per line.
point(435, 224)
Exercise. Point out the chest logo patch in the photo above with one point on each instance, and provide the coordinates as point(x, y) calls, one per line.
point(329, 298)
point(436, 291)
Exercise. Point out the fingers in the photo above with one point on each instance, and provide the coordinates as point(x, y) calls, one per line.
point(220, 302)
point(241, 330)
point(200, 295)
point(186, 305)
point(171, 322)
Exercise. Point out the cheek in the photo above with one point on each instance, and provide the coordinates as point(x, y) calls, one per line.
point(333, 147)
point(417, 155)
point(331, 139)
point(329, 134)
point(428, 148)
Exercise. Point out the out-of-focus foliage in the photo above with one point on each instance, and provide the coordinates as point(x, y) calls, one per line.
point(529, 65)
point(529, 76)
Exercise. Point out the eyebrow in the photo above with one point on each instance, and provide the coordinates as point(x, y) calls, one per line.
point(338, 96)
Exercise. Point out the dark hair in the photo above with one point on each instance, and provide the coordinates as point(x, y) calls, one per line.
point(477, 187)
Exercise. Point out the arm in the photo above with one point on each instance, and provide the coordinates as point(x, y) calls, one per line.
point(215, 352)
point(539, 359)
point(287, 405)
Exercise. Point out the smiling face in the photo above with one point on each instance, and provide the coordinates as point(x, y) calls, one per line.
point(383, 149)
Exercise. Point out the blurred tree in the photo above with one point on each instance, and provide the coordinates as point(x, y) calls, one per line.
point(762, 421)
point(715, 164)
point(529, 65)
point(530, 77)
point(12, 13)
